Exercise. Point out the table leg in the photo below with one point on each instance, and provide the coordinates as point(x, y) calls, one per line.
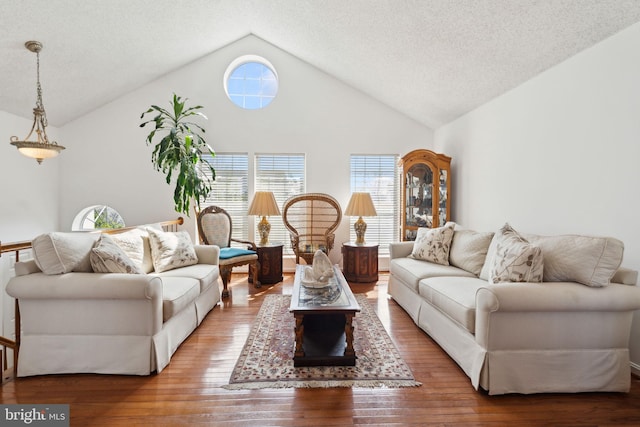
point(299, 330)
point(348, 331)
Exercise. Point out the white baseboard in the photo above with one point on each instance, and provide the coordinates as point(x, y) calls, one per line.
point(635, 369)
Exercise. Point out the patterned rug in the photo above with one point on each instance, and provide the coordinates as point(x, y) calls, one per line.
point(266, 360)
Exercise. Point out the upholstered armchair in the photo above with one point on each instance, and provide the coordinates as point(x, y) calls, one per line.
point(311, 220)
point(214, 228)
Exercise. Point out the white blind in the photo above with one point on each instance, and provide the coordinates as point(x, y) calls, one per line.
point(230, 189)
point(378, 175)
point(284, 175)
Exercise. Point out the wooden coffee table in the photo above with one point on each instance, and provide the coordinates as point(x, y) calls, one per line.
point(324, 322)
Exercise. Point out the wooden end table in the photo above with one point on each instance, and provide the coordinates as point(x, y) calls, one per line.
point(270, 259)
point(324, 322)
point(360, 262)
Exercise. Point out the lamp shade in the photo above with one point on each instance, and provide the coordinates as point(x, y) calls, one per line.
point(264, 204)
point(38, 150)
point(360, 204)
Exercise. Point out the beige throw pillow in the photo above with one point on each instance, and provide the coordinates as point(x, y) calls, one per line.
point(171, 250)
point(516, 260)
point(135, 243)
point(63, 252)
point(589, 260)
point(469, 250)
point(433, 244)
point(131, 243)
point(108, 257)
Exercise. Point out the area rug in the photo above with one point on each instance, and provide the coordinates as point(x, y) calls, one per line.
point(266, 360)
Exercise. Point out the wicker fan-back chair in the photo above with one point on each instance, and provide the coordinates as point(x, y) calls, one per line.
point(214, 228)
point(311, 220)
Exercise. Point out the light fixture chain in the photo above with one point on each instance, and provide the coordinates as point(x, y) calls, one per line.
point(39, 103)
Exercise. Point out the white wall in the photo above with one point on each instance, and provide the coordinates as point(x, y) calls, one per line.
point(559, 154)
point(29, 203)
point(29, 191)
point(108, 162)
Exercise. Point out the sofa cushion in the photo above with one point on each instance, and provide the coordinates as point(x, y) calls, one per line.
point(226, 253)
point(206, 274)
point(589, 260)
point(171, 250)
point(469, 250)
point(63, 252)
point(453, 296)
point(411, 271)
point(433, 244)
point(109, 257)
point(177, 293)
point(516, 260)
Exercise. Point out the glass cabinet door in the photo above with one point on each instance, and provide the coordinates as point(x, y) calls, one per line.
point(419, 196)
point(443, 215)
point(425, 194)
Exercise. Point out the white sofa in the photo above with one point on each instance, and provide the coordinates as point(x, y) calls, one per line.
point(75, 320)
point(568, 333)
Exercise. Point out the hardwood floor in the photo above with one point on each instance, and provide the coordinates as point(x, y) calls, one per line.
point(188, 391)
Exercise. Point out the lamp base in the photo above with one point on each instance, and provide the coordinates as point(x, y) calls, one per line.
point(263, 229)
point(360, 227)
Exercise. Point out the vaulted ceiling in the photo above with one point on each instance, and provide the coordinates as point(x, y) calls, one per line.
point(432, 60)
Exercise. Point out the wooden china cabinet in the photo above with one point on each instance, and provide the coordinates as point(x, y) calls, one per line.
point(426, 191)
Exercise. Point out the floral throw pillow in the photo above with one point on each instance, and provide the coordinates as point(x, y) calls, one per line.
point(433, 244)
point(516, 260)
point(171, 250)
point(107, 257)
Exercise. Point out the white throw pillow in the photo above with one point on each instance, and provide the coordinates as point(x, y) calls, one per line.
point(108, 257)
point(171, 250)
point(135, 244)
point(516, 260)
point(131, 243)
point(469, 250)
point(63, 252)
point(589, 260)
point(433, 244)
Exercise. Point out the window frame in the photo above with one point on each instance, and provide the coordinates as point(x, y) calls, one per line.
point(377, 174)
point(281, 186)
point(230, 190)
point(266, 86)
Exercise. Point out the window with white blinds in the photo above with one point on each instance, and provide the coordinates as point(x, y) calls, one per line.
point(230, 189)
point(284, 175)
point(378, 175)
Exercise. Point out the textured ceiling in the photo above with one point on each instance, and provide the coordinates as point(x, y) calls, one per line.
point(432, 60)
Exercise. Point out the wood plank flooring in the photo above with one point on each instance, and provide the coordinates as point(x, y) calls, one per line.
point(188, 391)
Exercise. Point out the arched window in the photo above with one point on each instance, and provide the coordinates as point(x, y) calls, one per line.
point(97, 217)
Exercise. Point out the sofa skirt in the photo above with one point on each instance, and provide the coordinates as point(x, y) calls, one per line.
point(71, 354)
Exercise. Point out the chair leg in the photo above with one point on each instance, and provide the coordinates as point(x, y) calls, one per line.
point(225, 273)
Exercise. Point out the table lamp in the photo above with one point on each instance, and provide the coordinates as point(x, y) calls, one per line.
point(264, 204)
point(360, 205)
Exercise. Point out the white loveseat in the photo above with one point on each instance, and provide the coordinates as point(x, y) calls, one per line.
point(567, 333)
point(76, 320)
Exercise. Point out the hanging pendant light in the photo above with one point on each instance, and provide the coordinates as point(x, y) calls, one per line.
point(40, 148)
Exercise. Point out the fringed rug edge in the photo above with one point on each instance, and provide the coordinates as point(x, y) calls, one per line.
point(323, 384)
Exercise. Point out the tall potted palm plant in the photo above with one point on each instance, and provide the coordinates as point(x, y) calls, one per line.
point(181, 151)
